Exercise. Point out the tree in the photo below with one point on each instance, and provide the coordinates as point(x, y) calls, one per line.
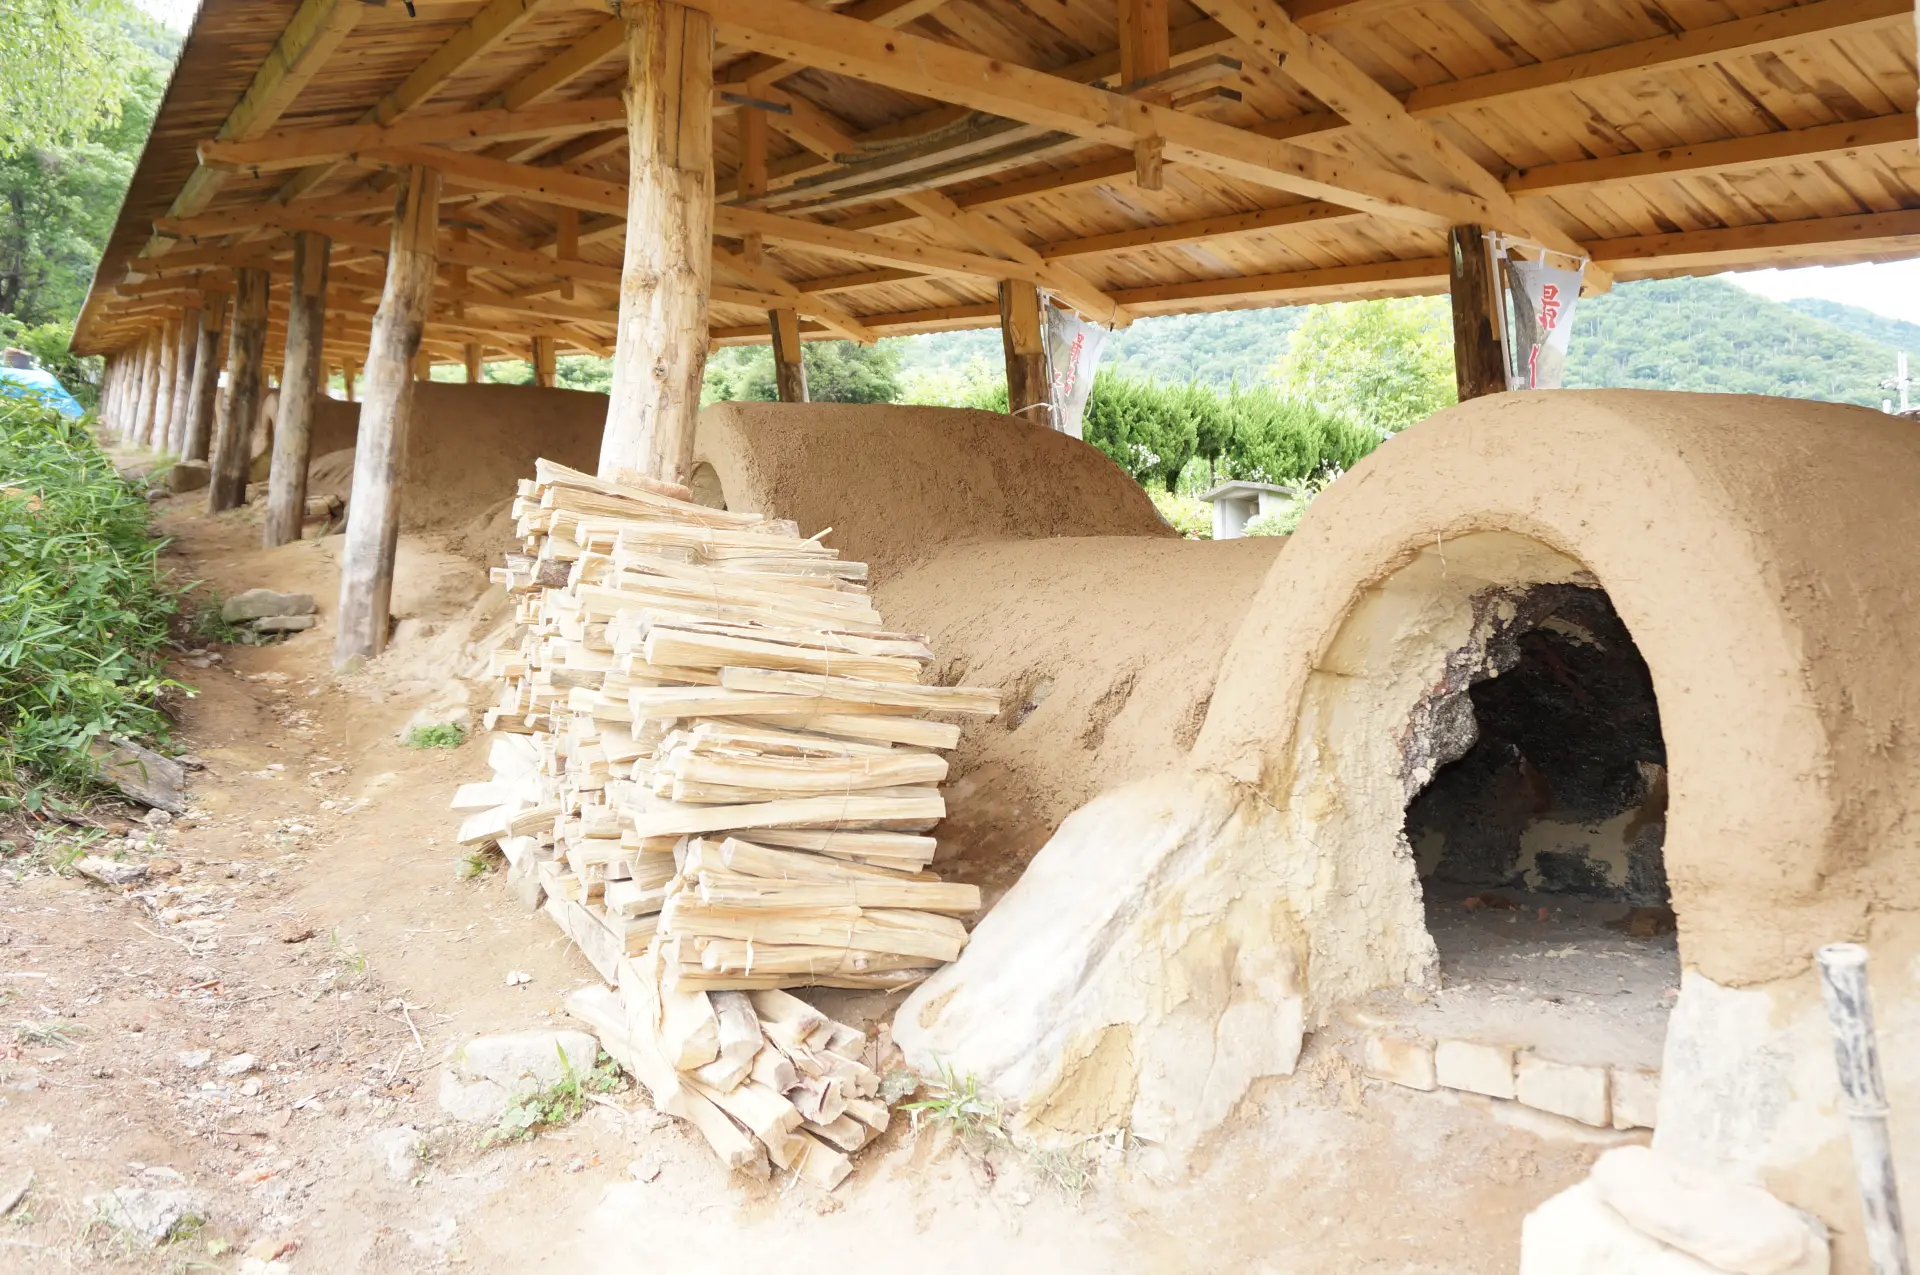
point(837, 372)
point(64, 67)
point(1384, 363)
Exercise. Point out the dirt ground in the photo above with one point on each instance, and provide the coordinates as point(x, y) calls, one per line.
point(322, 921)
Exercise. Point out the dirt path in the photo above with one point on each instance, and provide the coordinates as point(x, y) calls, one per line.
point(320, 922)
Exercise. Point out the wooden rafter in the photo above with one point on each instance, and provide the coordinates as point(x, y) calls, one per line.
point(297, 148)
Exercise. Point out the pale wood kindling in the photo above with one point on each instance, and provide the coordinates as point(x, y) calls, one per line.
point(661, 351)
point(373, 516)
point(299, 387)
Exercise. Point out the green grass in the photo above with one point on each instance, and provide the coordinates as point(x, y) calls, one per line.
point(957, 1102)
point(85, 611)
point(444, 735)
point(209, 627)
point(562, 1102)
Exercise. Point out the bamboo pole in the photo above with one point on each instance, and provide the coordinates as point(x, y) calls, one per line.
point(789, 371)
point(373, 518)
point(661, 351)
point(299, 388)
point(206, 377)
point(246, 350)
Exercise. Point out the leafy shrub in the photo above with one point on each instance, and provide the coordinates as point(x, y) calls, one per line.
point(1278, 438)
point(84, 609)
point(1385, 363)
point(1188, 515)
point(444, 735)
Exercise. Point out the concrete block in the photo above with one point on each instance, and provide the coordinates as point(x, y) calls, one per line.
point(1565, 1089)
point(1404, 1062)
point(258, 604)
point(1636, 1097)
point(1475, 1068)
point(1728, 1224)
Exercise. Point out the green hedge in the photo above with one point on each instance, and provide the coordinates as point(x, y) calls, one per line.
point(1153, 430)
point(85, 611)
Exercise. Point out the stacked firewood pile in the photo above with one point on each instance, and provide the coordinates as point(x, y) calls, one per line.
point(710, 768)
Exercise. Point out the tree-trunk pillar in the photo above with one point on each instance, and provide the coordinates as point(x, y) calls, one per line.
point(471, 353)
point(246, 357)
point(1479, 364)
point(109, 389)
point(142, 423)
point(1023, 337)
point(349, 373)
point(373, 514)
point(163, 391)
point(189, 343)
point(789, 371)
point(544, 362)
point(299, 388)
point(206, 376)
point(661, 351)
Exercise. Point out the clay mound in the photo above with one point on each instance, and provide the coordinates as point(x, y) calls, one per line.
point(1108, 649)
point(898, 484)
point(467, 445)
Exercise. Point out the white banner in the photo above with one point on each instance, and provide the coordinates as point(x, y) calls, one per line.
point(1073, 355)
point(1543, 300)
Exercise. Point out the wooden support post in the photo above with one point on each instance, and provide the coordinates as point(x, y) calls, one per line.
point(543, 361)
point(1479, 363)
point(789, 370)
point(470, 353)
point(373, 515)
point(752, 182)
point(149, 385)
point(1145, 51)
point(1023, 336)
point(661, 350)
point(206, 376)
point(349, 372)
point(163, 391)
point(299, 388)
point(566, 243)
point(186, 346)
point(246, 355)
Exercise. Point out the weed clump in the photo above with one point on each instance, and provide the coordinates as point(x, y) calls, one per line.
point(85, 611)
point(562, 1102)
point(444, 735)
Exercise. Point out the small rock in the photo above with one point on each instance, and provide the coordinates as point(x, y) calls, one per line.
point(110, 871)
point(295, 932)
point(1404, 1062)
point(644, 1170)
point(146, 1214)
point(239, 1065)
point(156, 818)
point(284, 623)
point(14, 1190)
point(272, 1248)
point(163, 867)
point(251, 1089)
point(1020, 1199)
point(257, 604)
point(38, 1133)
point(479, 1078)
point(400, 1148)
point(516, 977)
point(193, 1059)
point(188, 475)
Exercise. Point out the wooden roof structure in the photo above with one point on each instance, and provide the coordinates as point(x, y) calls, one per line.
point(1131, 157)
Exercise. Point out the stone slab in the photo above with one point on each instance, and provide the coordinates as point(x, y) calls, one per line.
point(1474, 1068)
point(257, 604)
point(1565, 1089)
point(1636, 1097)
point(1401, 1061)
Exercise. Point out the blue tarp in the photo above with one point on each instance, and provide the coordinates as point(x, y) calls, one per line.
point(31, 382)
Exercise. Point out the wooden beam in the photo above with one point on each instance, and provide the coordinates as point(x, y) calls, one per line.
point(299, 387)
point(789, 365)
point(1313, 212)
point(206, 376)
point(1073, 287)
point(545, 183)
point(759, 73)
point(1766, 243)
point(296, 147)
point(1317, 66)
point(373, 518)
point(660, 357)
point(306, 42)
point(857, 279)
point(1703, 46)
point(1479, 361)
point(926, 67)
point(497, 20)
point(580, 57)
point(1145, 52)
point(240, 405)
point(1023, 340)
point(1796, 145)
point(827, 312)
point(1333, 283)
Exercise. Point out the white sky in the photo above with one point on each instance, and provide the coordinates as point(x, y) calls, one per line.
point(175, 15)
point(1891, 289)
